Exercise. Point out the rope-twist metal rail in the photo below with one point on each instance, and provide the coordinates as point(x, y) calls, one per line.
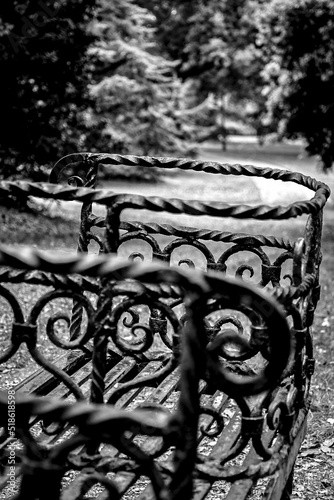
point(128, 306)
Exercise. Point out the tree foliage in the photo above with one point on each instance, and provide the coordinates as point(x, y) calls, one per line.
point(214, 44)
point(155, 76)
point(297, 40)
point(136, 88)
point(43, 86)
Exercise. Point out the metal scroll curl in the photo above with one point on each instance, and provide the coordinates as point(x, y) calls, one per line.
point(27, 331)
point(132, 325)
point(152, 244)
point(255, 305)
point(203, 252)
point(201, 361)
point(44, 468)
point(236, 249)
point(50, 327)
point(277, 265)
point(76, 170)
point(129, 314)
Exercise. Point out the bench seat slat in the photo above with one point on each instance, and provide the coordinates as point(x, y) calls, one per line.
point(42, 383)
point(159, 395)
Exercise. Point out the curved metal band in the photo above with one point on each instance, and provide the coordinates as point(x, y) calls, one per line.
point(91, 418)
point(322, 191)
point(173, 205)
point(206, 234)
point(106, 266)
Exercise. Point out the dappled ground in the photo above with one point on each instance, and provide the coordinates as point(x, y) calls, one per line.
point(315, 465)
point(314, 476)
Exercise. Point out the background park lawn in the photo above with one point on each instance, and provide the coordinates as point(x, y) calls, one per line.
point(57, 227)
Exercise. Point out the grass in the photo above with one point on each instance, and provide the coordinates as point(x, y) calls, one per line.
point(314, 476)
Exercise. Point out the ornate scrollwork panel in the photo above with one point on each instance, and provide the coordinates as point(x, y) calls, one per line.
point(134, 323)
point(43, 468)
point(228, 324)
point(201, 249)
point(29, 331)
point(242, 268)
point(250, 386)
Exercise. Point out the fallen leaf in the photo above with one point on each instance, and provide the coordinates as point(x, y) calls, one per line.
point(310, 452)
point(326, 449)
point(325, 322)
point(328, 442)
point(325, 483)
point(228, 413)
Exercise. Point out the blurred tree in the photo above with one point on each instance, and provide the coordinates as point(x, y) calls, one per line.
point(297, 38)
point(43, 86)
point(136, 90)
point(214, 46)
point(221, 47)
point(172, 22)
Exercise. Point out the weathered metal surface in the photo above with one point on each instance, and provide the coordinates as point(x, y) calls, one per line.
point(201, 410)
point(199, 362)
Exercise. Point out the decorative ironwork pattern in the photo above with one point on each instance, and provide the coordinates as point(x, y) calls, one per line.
point(169, 360)
point(321, 189)
point(202, 362)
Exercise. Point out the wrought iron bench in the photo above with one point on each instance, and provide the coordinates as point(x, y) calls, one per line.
point(179, 430)
point(303, 253)
point(274, 419)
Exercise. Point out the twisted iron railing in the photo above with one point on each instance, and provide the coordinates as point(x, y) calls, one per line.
point(83, 169)
point(201, 361)
point(203, 337)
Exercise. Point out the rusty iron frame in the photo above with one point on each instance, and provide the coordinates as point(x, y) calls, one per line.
point(179, 429)
point(280, 331)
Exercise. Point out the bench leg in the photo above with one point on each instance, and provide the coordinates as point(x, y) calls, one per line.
point(287, 492)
